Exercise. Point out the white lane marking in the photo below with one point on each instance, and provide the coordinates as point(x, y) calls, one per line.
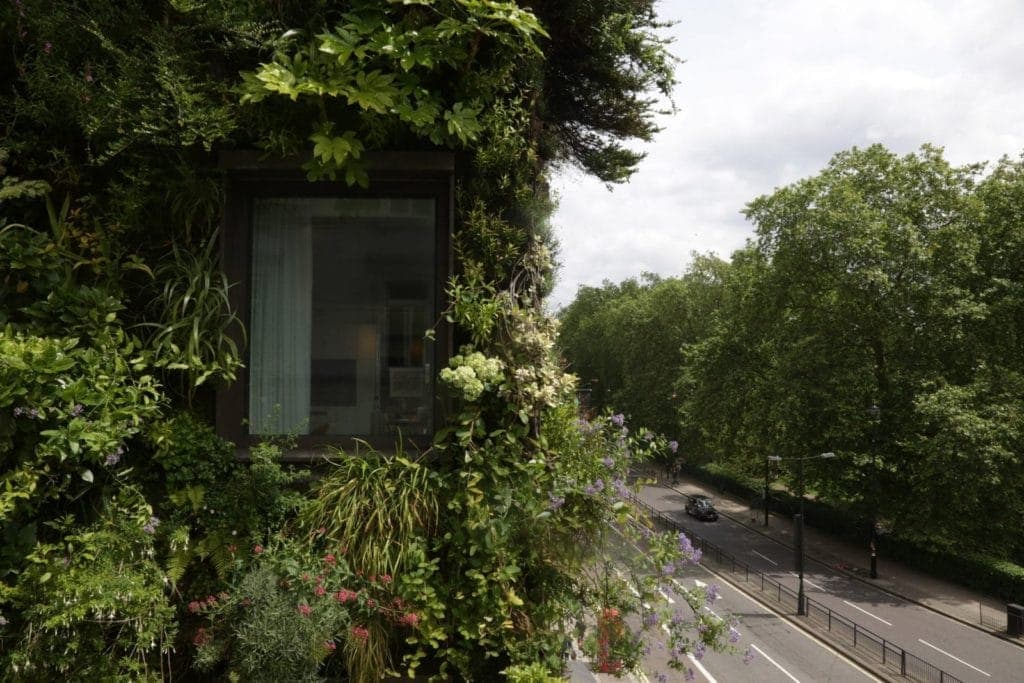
point(700, 584)
point(667, 597)
point(809, 583)
point(777, 665)
point(867, 612)
point(795, 629)
point(925, 642)
point(700, 667)
point(765, 558)
point(622, 577)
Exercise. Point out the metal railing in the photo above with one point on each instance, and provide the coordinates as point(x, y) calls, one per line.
point(872, 647)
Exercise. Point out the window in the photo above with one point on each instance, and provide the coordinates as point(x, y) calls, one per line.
point(337, 287)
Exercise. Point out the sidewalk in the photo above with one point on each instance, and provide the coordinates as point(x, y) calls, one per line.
point(957, 602)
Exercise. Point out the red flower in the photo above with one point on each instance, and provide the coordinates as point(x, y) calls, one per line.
point(305, 609)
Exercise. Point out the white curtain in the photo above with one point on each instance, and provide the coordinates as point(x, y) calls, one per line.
point(282, 310)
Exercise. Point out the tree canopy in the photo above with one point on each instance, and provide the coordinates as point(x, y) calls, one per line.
point(875, 314)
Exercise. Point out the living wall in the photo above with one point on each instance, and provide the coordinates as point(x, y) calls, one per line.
point(135, 545)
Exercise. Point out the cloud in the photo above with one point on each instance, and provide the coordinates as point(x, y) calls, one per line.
point(770, 91)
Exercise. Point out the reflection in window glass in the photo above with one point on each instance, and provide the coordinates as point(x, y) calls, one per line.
point(342, 293)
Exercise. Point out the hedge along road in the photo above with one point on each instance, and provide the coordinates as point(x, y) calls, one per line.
point(965, 652)
point(782, 653)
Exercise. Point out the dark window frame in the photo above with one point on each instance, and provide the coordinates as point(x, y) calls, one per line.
point(412, 174)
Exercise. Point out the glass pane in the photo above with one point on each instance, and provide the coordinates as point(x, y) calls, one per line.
point(368, 288)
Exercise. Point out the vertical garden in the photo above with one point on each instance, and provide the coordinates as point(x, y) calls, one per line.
point(136, 543)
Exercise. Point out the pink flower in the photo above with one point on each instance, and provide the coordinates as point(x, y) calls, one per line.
point(202, 637)
point(330, 645)
point(194, 606)
point(320, 591)
point(410, 619)
point(371, 603)
point(344, 596)
point(305, 610)
point(329, 559)
point(257, 549)
point(360, 633)
point(47, 47)
point(385, 578)
point(232, 548)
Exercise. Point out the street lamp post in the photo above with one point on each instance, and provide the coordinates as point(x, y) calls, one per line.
point(799, 519)
point(767, 463)
point(876, 414)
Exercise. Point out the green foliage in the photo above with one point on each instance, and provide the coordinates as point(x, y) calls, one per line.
point(886, 281)
point(193, 324)
point(114, 115)
point(377, 507)
point(91, 604)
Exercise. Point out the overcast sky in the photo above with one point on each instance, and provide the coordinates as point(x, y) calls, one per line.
point(770, 90)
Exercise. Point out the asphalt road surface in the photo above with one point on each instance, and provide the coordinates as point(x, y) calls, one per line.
point(965, 652)
point(780, 652)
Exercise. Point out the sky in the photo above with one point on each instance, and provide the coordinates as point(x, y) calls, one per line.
point(768, 92)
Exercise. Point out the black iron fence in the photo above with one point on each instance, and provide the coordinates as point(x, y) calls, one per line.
point(864, 642)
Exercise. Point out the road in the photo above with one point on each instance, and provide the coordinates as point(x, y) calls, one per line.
point(781, 652)
point(965, 652)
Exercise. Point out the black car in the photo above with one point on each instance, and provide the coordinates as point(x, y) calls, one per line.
point(701, 507)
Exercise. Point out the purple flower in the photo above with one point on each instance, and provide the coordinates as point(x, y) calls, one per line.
point(47, 47)
point(673, 446)
point(648, 436)
point(734, 635)
point(555, 502)
point(78, 410)
point(621, 490)
point(713, 592)
point(618, 419)
point(684, 544)
point(699, 650)
point(150, 526)
point(18, 412)
point(596, 487)
point(689, 675)
point(650, 619)
point(661, 678)
point(608, 461)
point(34, 413)
point(668, 569)
point(114, 458)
